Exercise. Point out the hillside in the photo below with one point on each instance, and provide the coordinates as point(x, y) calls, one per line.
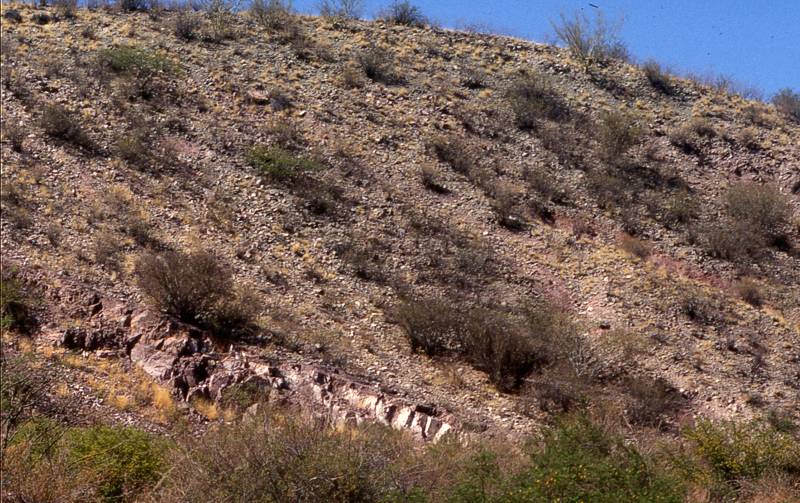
point(550, 234)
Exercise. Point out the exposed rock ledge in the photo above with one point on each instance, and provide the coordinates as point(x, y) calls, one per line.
point(187, 360)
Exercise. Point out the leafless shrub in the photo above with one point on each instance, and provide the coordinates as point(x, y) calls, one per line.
point(533, 98)
point(341, 9)
point(430, 179)
point(505, 203)
point(763, 208)
point(698, 307)
point(617, 133)
point(59, 123)
point(634, 246)
point(658, 77)
point(749, 291)
point(66, 9)
point(365, 255)
point(273, 15)
point(429, 324)
point(186, 25)
point(787, 102)
point(455, 152)
point(473, 78)
point(15, 134)
point(196, 288)
point(107, 247)
point(748, 138)
point(590, 41)
point(352, 76)
point(378, 65)
point(403, 12)
point(652, 401)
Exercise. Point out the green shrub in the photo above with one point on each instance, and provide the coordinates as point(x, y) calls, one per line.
point(280, 165)
point(737, 452)
point(133, 60)
point(533, 98)
point(787, 102)
point(125, 460)
point(581, 462)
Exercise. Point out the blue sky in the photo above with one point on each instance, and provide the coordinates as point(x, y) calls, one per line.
point(757, 43)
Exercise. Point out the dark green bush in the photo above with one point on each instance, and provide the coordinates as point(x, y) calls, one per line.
point(280, 165)
point(15, 311)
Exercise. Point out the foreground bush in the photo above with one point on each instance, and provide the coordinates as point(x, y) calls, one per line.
point(581, 462)
point(738, 454)
point(50, 463)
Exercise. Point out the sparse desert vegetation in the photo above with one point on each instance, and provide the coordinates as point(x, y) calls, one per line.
point(266, 256)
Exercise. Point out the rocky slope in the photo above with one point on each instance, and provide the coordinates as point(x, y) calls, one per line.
point(162, 162)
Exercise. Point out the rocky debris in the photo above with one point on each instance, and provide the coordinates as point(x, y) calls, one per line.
point(184, 358)
point(288, 255)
